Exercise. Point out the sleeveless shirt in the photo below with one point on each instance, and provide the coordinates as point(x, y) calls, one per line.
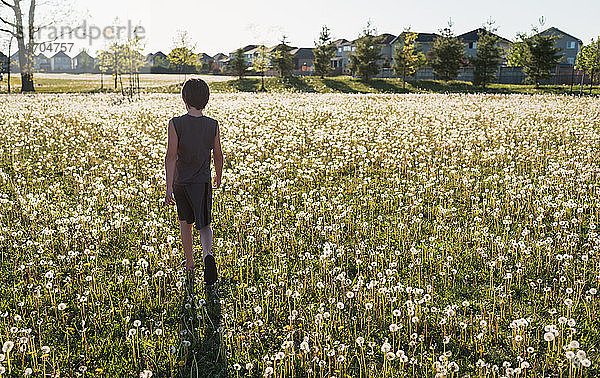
point(195, 139)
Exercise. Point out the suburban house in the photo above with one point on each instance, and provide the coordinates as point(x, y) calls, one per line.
point(340, 62)
point(248, 57)
point(61, 62)
point(569, 45)
point(3, 62)
point(158, 59)
point(304, 60)
point(205, 61)
point(385, 42)
point(221, 61)
point(471, 38)
point(41, 63)
point(83, 62)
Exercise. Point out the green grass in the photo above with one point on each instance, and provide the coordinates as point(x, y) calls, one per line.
point(346, 84)
point(171, 83)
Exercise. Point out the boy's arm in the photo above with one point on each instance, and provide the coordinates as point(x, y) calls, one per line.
point(218, 158)
point(170, 160)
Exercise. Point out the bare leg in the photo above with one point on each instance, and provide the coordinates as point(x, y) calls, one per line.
point(206, 238)
point(187, 239)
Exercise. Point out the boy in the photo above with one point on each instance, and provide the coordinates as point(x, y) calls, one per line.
point(190, 138)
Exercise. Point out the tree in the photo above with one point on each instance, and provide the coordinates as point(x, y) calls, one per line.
point(487, 60)
point(540, 56)
point(282, 59)
point(446, 54)
point(261, 64)
point(363, 61)
point(407, 57)
point(517, 52)
point(114, 60)
point(238, 63)
point(25, 45)
point(588, 60)
point(324, 51)
point(23, 26)
point(182, 57)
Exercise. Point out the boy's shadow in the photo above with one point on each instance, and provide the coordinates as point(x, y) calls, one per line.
point(201, 347)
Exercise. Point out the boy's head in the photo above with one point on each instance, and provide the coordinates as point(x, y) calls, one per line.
point(195, 93)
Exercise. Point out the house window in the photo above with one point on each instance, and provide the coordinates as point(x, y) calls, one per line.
point(571, 45)
point(339, 49)
point(472, 45)
point(571, 61)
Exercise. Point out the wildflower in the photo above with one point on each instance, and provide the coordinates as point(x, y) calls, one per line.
point(7, 346)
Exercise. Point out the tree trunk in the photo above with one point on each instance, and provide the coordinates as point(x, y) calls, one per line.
point(25, 56)
point(591, 81)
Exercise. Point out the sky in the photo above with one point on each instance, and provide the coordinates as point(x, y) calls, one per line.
point(224, 25)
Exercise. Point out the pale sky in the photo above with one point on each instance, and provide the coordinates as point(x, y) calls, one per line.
point(224, 25)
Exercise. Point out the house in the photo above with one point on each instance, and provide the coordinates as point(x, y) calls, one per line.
point(158, 59)
point(61, 62)
point(41, 63)
point(568, 44)
point(304, 59)
point(385, 41)
point(3, 63)
point(220, 61)
point(244, 50)
point(471, 38)
point(423, 42)
point(83, 62)
point(204, 60)
point(15, 65)
point(340, 63)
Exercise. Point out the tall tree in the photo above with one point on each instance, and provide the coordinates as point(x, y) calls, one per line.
point(540, 57)
point(517, 52)
point(182, 58)
point(113, 60)
point(324, 51)
point(23, 24)
point(588, 60)
point(25, 42)
point(363, 61)
point(283, 59)
point(238, 63)
point(489, 54)
point(407, 56)
point(261, 64)
point(446, 54)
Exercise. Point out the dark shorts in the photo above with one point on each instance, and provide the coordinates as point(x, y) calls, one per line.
point(194, 203)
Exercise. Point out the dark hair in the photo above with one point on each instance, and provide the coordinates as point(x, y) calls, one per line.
point(195, 93)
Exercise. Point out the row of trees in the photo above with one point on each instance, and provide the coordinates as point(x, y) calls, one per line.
point(535, 53)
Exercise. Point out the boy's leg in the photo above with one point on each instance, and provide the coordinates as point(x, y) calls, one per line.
point(187, 239)
point(206, 238)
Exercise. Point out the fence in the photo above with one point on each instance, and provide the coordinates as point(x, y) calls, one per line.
point(562, 75)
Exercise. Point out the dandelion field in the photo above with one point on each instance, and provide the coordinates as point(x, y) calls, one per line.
point(356, 236)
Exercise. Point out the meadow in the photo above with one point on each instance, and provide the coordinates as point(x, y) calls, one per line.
point(411, 235)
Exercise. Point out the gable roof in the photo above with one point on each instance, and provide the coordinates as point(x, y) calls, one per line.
point(159, 53)
point(421, 37)
point(473, 36)
point(60, 54)
point(82, 53)
point(219, 56)
point(558, 31)
point(385, 38)
point(204, 56)
point(245, 48)
point(341, 42)
point(303, 53)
